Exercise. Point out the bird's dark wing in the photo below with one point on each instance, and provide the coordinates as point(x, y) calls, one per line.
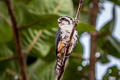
point(58, 41)
point(59, 57)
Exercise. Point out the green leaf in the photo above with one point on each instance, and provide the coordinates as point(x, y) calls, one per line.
point(43, 44)
point(78, 48)
point(40, 22)
point(5, 29)
point(42, 70)
point(29, 20)
point(5, 32)
point(106, 27)
point(83, 27)
point(61, 7)
point(4, 53)
point(3, 10)
point(33, 15)
point(51, 55)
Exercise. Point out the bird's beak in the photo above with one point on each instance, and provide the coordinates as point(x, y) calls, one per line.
point(59, 21)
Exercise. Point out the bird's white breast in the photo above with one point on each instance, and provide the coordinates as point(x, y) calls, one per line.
point(66, 31)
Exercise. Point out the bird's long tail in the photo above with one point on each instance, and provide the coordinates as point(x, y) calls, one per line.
point(58, 66)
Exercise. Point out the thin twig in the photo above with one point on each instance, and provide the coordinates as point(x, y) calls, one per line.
point(78, 56)
point(21, 58)
point(8, 58)
point(78, 11)
point(71, 35)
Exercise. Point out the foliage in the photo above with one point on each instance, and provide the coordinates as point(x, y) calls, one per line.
point(35, 16)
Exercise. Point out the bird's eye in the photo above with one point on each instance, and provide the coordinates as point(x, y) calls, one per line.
point(63, 18)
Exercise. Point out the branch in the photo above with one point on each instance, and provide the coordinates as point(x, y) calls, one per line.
point(94, 36)
point(78, 11)
point(21, 59)
point(71, 35)
point(8, 58)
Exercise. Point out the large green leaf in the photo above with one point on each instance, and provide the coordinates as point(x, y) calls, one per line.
point(44, 43)
point(83, 27)
point(4, 53)
point(61, 7)
point(41, 70)
point(27, 19)
point(35, 13)
point(39, 22)
point(78, 48)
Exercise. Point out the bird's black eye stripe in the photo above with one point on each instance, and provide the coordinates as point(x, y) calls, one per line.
point(65, 20)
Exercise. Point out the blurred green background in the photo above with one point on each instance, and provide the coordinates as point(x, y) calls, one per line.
point(37, 21)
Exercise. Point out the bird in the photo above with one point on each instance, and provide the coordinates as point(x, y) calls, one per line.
point(66, 25)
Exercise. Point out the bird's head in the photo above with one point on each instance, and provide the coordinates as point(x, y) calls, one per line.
point(64, 21)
